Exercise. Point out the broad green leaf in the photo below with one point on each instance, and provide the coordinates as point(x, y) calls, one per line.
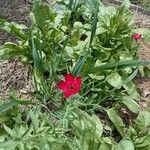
point(104, 146)
point(145, 143)
point(87, 127)
point(35, 121)
point(3, 118)
point(97, 77)
point(131, 104)
point(10, 50)
point(43, 142)
point(92, 4)
point(143, 120)
point(9, 145)
point(13, 28)
point(116, 120)
point(114, 79)
point(41, 13)
point(124, 80)
point(125, 144)
point(130, 78)
point(131, 90)
point(98, 124)
point(2, 138)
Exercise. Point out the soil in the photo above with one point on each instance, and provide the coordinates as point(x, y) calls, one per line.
point(14, 11)
point(143, 83)
point(14, 75)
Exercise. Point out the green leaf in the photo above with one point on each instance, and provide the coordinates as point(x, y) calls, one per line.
point(125, 144)
point(114, 79)
point(10, 50)
point(78, 66)
point(143, 120)
point(7, 106)
point(41, 13)
point(92, 4)
point(43, 142)
point(92, 124)
point(116, 120)
point(94, 24)
point(145, 143)
point(130, 78)
point(36, 57)
point(96, 77)
point(124, 80)
point(13, 28)
point(131, 90)
point(131, 104)
point(98, 125)
point(94, 8)
point(104, 146)
point(35, 121)
point(9, 131)
point(9, 145)
point(119, 65)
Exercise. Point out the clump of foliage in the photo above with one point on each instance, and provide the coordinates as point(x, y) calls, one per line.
point(90, 42)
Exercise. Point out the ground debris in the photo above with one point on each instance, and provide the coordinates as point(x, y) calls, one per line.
point(14, 75)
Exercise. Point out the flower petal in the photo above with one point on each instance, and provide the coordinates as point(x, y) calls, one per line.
point(78, 83)
point(69, 77)
point(78, 80)
point(136, 36)
point(62, 85)
point(67, 94)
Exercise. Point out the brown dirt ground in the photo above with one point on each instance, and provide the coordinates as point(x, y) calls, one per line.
point(14, 75)
point(143, 83)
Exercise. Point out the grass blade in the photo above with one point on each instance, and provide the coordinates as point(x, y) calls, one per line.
point(119, 65)
point(37, 60)
point(7, 106)
point(78, 66)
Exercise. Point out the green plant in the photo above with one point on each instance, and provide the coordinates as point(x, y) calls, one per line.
point(86, 39)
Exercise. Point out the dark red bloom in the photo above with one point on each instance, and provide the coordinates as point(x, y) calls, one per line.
point(136, 36)
point(70, 86)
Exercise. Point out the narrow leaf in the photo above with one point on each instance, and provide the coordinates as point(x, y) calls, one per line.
point(37, 60)
point(78, 66)
point(119, 65)
point(7, 106)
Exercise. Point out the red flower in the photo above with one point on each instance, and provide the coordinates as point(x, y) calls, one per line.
point(70, 86)
point(136, 36)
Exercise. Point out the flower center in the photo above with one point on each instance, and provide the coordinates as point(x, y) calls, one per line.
point(71, 87)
